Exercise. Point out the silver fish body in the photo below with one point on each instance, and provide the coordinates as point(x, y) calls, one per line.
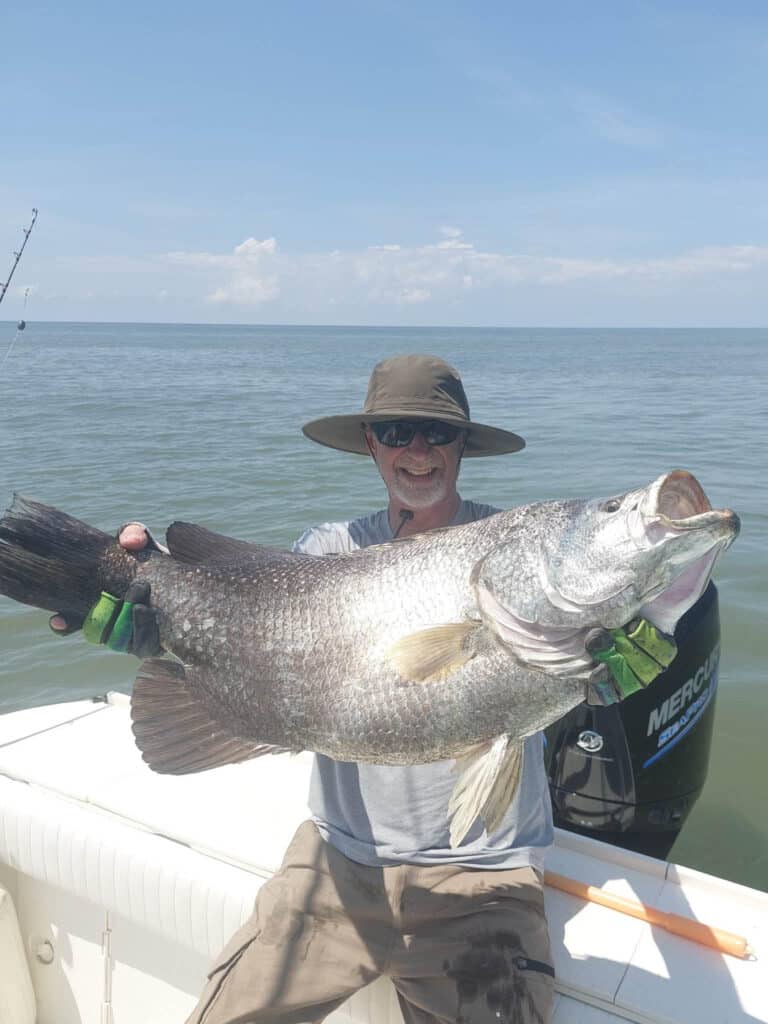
point(453, 643)
point(302, 656)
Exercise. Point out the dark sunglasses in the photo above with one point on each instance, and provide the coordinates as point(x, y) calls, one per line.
point(400, 433)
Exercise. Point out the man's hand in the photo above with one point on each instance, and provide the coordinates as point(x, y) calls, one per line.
point(129, 624)
point(634, 656)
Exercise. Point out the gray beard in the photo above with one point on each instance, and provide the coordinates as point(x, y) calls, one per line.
point(419, 497)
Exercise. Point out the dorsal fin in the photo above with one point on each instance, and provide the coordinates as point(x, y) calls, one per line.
point(195, 545)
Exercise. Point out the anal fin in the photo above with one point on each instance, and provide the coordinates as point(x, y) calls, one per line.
point(489, 774)
point(175, 731)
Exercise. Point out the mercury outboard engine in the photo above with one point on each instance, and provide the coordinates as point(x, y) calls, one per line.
point(630, 773)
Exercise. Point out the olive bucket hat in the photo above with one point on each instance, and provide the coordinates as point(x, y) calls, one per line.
point(413, 387)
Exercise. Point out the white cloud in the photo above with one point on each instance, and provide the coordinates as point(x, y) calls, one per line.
point(256, 272)
point(733, 259)
point(196, 259)
point(246, 291)
point(415, 295)
point(252, 248)
point(250, 270)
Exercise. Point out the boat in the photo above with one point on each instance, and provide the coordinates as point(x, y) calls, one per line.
point(119, 886)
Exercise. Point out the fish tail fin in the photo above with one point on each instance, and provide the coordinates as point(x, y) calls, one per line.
point(489, 775)
point(49, 559)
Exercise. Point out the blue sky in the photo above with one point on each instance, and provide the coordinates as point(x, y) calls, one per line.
point(511, 164)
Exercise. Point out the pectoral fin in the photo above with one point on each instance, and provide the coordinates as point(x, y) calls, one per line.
point(489, 775)
point(434, 653)
point(174, 729)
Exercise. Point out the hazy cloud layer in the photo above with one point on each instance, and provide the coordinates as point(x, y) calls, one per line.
point(257, 272)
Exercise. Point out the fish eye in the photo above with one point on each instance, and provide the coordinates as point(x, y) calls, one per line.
point(612, 505)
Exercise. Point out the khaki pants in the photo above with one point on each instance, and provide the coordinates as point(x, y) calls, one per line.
point(460, 945)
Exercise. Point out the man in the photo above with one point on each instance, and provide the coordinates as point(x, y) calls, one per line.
point(370, 885)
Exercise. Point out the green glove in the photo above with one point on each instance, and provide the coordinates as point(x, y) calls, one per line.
point(635, 655)
point(127, 625)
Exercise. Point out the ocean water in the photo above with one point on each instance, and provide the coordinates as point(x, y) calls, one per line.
point(113, 422)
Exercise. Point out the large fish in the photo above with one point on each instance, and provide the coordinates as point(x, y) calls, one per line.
point(455, 643)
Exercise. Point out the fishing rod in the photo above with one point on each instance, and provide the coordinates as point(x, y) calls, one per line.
point(22, 323)
point(27, 233)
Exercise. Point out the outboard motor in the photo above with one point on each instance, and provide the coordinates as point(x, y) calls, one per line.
point(630, 773)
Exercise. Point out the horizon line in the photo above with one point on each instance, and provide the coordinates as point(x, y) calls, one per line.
point(399, 327)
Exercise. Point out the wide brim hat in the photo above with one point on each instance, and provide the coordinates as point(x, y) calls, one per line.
point(413, 387)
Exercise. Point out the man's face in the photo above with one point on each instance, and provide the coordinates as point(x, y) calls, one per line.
point(419, 475)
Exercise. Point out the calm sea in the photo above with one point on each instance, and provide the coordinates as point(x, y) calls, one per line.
point(112, 422)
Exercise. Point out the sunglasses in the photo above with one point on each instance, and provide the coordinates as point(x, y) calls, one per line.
point(400, 433)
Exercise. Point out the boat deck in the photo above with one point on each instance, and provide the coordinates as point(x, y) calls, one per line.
point(93, 844)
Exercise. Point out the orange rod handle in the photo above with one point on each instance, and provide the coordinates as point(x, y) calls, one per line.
point(715, 938)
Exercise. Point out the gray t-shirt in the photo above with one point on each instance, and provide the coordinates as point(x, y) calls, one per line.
point(390, 814)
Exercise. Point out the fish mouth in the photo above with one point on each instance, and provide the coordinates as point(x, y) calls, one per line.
point(676, 503)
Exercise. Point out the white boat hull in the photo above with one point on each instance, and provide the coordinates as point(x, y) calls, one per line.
point(130, 883)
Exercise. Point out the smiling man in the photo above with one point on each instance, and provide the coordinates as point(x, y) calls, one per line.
point(419, 463)
point(415, 425)
point(371, 885)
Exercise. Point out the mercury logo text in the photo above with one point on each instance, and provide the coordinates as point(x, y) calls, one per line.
point(688, 693)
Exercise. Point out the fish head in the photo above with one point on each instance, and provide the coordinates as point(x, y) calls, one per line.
point(648, 552)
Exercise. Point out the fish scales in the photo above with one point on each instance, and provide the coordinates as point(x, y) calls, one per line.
point(453, 643)
point(312, 636)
